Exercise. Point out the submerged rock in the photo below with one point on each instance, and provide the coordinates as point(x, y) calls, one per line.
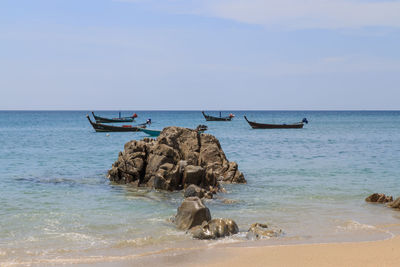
point(395, 204)
point(178, 158)
point(379, 198)
point(196, 191)
point(216, 228)
point(192, 212)
point(260, 230)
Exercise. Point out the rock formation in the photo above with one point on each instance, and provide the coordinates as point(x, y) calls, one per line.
point(194, 216)
point(394, 204)
point(192, 212)
point(379, 198)
point(196, 191)
point(214, 229)
point(382, 198)
point(178, 158)
point(260, 230)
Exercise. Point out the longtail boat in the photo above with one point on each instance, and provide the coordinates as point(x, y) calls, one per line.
point(150, 132)
point(119, 119)
point(98, 127)
point(199, 128)
point(220, 118)
point(256, 125)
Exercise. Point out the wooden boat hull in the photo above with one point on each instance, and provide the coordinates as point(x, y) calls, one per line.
point(110, 128)
point(199, 129)
point(150, 132)
point(256, 125)
point(99, 119)
point(212, 118)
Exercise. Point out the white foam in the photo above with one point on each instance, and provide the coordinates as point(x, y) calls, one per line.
point(351, 225)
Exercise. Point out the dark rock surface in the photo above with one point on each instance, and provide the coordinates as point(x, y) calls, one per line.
point(395, 204)
point(178, 158)
point(196, 191)
point(260, 230)
point(379, 198)
point(216, 228)
point(192, 212)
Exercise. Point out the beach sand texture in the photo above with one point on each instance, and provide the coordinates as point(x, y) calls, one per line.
point(376, 253)
point(372, 253)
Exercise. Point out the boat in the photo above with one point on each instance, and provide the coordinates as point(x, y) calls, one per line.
point(150, 132)
point(98, 127)
point(220, 118)
point(199, 128)
point(256, 125)
point(99, 119)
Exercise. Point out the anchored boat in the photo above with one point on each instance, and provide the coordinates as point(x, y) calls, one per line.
point(256, 125)
point(99, 119)
point(98, 127)
point(220, 118)
point(150, 132)
point(199, 128)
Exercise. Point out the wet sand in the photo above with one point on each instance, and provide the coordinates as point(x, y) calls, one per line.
point(371, 253)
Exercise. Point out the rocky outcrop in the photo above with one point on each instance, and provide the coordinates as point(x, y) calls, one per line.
point(382, 198)
point(395, 204)
point(216, 228)
point(379, 198)
point(260, 231)
point(195, 217)
point(179, 157)
point(196, 191)
point(192, 212)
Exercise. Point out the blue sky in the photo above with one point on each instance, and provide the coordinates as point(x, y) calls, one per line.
point(219, 54)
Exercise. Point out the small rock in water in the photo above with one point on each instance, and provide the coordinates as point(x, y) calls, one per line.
point(379, 198)
point(395, 204)
point(261, 230)
point(192, 212)
point(216, 228)
point(194, 191)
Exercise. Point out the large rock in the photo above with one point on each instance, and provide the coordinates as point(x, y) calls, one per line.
point(261, 230)
point(379, 198)
point(193, 175)
point(178, 158)
point(192, 212)
point(214, 229)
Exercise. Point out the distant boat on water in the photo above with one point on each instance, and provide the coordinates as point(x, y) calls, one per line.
point(98, 127)
point(256, 125)
point(150, 132)
point(199, 128)
point(220, 118)
point(99, 119)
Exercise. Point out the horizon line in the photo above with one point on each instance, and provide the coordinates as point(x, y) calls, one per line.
point(199, 110)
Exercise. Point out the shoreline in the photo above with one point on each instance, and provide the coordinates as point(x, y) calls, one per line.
point(361, 253)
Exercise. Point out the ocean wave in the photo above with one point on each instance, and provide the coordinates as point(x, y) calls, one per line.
point(63, 180)
point(351, 225)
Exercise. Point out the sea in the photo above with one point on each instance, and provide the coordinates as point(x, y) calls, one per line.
point(58, 207)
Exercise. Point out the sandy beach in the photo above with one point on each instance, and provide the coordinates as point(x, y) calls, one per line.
point(372, 253)
point(375, 253)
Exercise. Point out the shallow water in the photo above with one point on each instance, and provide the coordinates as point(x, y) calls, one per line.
point(57, 203)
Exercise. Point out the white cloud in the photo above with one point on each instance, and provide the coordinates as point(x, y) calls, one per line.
point(309, 13)
point(326, 14)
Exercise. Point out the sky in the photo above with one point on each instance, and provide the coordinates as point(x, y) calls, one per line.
point(199, 55)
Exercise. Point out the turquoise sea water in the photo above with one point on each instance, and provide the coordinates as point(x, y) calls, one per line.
point(56, 202)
